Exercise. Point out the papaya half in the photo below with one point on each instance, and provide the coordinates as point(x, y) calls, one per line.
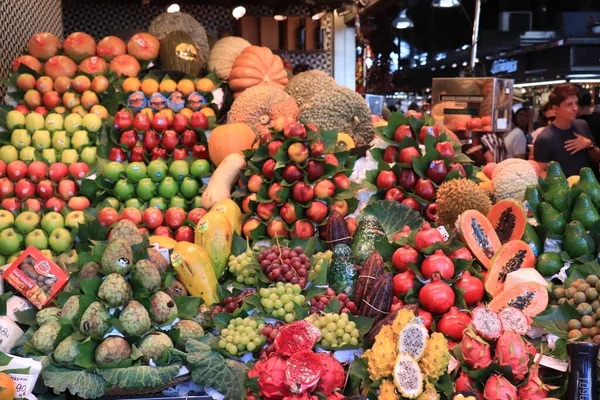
point(529, 297)
point(508, 219)
point(195, 271)
point(513, 256)
point(480, 236)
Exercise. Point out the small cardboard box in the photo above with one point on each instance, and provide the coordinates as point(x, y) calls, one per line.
point(36, 277)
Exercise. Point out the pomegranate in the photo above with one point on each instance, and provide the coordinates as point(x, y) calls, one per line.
point(512, 352)
point(463, 253)
point(295, 337)
point(303, 371)
point(453, 323)
point(426, 317)
point(499, 388)
point(427, 236)
point(486, 323)
point(403, 282)
point(472, 287)
point(271, 377)
point(403, 233)
point(437, 262)
point(333, 376)
point(476, 352)
point(403, 256)
point(437, 296)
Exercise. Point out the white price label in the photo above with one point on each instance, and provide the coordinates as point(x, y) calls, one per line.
point(442, 230)
point(554, 363)
point(24, 384)
point(163, 252)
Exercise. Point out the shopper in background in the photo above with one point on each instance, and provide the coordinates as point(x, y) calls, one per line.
point(494, 147)
point(567, 141)
point(515, 140)
point(585, 113)
point(547, 115)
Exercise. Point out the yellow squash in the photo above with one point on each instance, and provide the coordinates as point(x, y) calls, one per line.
point(195, 271)
point(232, 212)
point(214, 234)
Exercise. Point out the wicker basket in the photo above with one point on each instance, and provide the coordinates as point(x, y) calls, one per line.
point(114, 391)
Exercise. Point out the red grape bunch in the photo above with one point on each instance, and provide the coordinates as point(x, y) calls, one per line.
point(282, 264)
point(318, 303)
point(270, 331)
point(232, 303)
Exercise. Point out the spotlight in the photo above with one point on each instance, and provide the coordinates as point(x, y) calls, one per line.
point(318, 16)
point(279, 17)
point(402, 21)
point(238, 12)
point(445, 3)
point(173, 8)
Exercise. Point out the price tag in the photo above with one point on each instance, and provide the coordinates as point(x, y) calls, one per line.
point(163, 252)
point(24, 384)
point(553, 363)
point(442, 230)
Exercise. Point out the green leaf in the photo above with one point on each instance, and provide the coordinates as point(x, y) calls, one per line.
point(445, 385)
point(239, 245)
point(582, 271)
point(314, 291)
point(334, 306)
point(91, 286)
point(5, 359)
point(300, 312)
point(211, 369)
point(221, 320)
point(358, 374)
point(187, 307)
point(26, 317)
point(555, 320)
point(308, 245)
point(330, 139)
point(393, 216)
point(83, 383)
point(321, 279)
point(363, 324)
point(85, 358)
point(141, 376)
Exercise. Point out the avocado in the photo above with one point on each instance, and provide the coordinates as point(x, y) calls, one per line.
point(531, 237)
point(551, 218)
point(576, 241)
point(584, 211)
point(589, 185)
point(558, 189)
point(533, 196)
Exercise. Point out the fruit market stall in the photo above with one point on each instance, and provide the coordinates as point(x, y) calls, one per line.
point(183, 221)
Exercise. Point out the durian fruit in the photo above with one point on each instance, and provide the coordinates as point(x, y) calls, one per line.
point(305, 85)
point(413, 339)
point(408, 377)
point(381, 358)
point(459, 195)
point(386, 390)
point(429, 393)
point(340, 109)
point(437, 356)
point(403, 317)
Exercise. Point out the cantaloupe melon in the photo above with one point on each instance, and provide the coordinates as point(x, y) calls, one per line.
point(513, 256)
point(511, 177)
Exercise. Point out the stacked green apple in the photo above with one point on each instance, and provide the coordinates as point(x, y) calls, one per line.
point(51, 233)
point(159, 184)
point(53, 137)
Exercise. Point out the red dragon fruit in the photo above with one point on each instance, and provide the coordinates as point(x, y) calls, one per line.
point(333, 376)
point(486, 323)
point(534, 388)
point(476, 351)
point(499, 388)
point(336, 396)
point(514, 320)
point(271, 377)
point(512, 352)
point(465, 383)
point(303, 371)
point(295, 337)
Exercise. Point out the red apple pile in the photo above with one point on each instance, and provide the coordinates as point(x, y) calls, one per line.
point(145, 137)
point(294, 181)
point(416, 161)
point(174, 223)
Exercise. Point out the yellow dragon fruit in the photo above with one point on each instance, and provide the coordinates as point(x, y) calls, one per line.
point(402, 318)
point(437, 356)
point(381, 358)
point(429, 393)
point(386, 391)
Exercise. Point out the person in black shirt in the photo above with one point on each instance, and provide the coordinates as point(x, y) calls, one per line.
point(585, 113)
point(567, 141)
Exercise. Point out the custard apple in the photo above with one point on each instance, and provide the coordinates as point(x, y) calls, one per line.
point(67, 351)
point(176, 289)
point(47, 315)
point(135, 319)
point(157, 258)
point(187, 330)
point(112, 350)
point(154, 346)
point(117, 257)
point(71, 308)
point(94, 321)
point(115, 290)
point(162, 308)
point(126, 230)
point(43, 339)
point(146, 275)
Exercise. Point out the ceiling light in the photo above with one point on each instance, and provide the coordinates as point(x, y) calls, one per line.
point(589, 80)
point(318, 16)
point(542, 83)
point(445, 3)
point(402, 21)
point(238, 12)
point(280, 17)
point(173, 8)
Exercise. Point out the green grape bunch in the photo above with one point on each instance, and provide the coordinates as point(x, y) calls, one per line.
point(280, 300)
point(243, 267)
point(336, 329)
point(242, 335)
point(317, 262)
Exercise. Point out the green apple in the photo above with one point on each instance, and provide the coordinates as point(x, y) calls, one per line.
point(7, 219)
point(2, 260)
point(92, 122)
point(9, 153)
point(189, 187)
point(200, 169)
point(196, 202)
point(49, 155)
point(136, 203)
point(27, 154)
point(37, 238)
point(60, 141)
point(73, 123)
point(177, 201)
point(10, 241)
point(14, 119)
point(41, 139)
point(179, 169)
point(111, 202)
point(27, 221)
point(48, 254)
point(157, 170)
point(145, 189)
point(20, 138)
point(54, 122)
point(113, 170)
point(13, 257)
point(52, 221)
point(69, 156)
point(34, 121)
point(168, 188)
point(88, 155)
point(135, 171)
point(74, 219)
point(60, 240)
point(80, 139)
point(159, 203)
point(123, 189)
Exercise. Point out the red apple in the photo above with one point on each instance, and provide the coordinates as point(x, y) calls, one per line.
point(81, 203)
point(58, 171)
point(317, 148)
point(407, 179)
point(2, 169)
point(199, 120)
point(142, 122)
point(142, 230)
point(44, 190)
point(273, 146)
point(294, 129)
point(16, 170)
point(163, 231)
point(272, 192)
point(108, 216)
point(331, 159)
point(389, 154)
point(132, 214)
point(298, 152)
point(268, 168)
point(185, 234)
point(152, 217)
point(196, 214)
point(303, 230)
point(137, 154)
point(291, 173)
point(129, 139)
point(24, 189)
point(158, 153)
point(123, 120)
point(437, 171)
point(117, 154)
point(67, 189)
point(189, 138)
point(33, 204)
point(446, 150)
point(200, 151)
point(265, 210)
point(406, 155)
point(78, 170)
point(160, 122)
point(302, 193)
point(249, 226)
point(287, 212)
point(179, 123)
point(430, 212)
point(317, 212)
point(428, 130)
point(341, 181)
point(424, 189)
point(174, 217)
point(413, 113)
point(276, 228)
point(41, 110)
point(7, 187)
point(37, 171)
point(254, 183)
point(246, 203)
point(386, 180)
point(340, 206)
point(169, 140)
point(401, 132)
point(150, 140)
point(180, 154)
point(12, 204)
point(324, 188)
point(457, 167)
point(412, 203)
point(395, 194)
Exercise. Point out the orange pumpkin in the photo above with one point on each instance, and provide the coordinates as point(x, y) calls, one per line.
point(257, 65)
point(227, 139)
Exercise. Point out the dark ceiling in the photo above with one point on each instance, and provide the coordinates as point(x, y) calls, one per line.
point(227, 3)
